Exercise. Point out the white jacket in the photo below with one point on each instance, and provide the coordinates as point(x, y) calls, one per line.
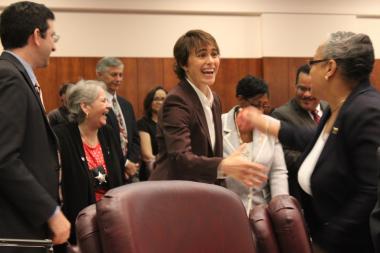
point(265, 150)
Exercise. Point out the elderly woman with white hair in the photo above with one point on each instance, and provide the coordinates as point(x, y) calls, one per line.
point(338, 170)
point(92, 162)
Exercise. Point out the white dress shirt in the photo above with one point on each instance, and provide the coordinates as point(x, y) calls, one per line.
point(207, 105)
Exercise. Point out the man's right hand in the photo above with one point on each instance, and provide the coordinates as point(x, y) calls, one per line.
point(60, 228)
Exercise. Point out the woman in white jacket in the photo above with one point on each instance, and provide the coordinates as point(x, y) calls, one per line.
point(260, 147)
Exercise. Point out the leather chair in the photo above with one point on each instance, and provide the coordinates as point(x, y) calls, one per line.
point(280, 223)
point(87, 231)
point(262, 227)
point(170, 217)
point(289, 225)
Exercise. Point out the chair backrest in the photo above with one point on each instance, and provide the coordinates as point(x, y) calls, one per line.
point(280, 226)
point(289, 225)
point(87, 231)
point(172, 217)
point(262, 227)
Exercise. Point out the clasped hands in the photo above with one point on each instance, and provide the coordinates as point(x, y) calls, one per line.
point(250, 173)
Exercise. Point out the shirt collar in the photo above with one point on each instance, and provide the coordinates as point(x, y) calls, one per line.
point(206, 100)
point(26, 65)
point(110, 96)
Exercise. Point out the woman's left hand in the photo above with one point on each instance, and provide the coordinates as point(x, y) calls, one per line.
point(131, 169)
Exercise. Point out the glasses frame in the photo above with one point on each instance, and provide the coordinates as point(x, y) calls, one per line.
point(313, 62)
point(55, 37)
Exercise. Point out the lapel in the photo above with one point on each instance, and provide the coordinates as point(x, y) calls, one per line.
point(122, 107)
point(198, 108)
point(216, 114)
point(15, 62)
point(337, 124)
point(74, 129)
point(230, 136)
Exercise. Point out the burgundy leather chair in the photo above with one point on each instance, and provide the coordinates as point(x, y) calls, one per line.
point(280, 226)
point(262, 227)
point(87, 231)
point(170, 217)
point(289, 225)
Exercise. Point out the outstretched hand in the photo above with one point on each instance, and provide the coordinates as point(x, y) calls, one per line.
point(237, 166)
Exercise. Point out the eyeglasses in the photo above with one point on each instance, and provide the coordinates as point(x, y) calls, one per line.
point(55, 37)
point(302, 88)
point(261, 106)
point(312, 62)
point(158, 99)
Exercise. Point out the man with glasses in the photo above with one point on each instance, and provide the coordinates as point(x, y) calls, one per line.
point(29, 166)
point(303, 110)
point(121, 118)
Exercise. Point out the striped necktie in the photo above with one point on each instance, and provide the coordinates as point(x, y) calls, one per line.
point(122, 127)
point(316, 116)
point(39, 92)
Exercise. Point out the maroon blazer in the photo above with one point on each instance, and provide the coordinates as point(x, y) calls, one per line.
point(184, 147)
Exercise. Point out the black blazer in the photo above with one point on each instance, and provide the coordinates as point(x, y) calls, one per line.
point(130, 121)
point(375, 216)
point(343, 182)
point(294, 114)
point(184, 146)
point(28, 156)
point(77, 182)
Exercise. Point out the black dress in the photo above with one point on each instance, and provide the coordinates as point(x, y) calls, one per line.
point(147, 125)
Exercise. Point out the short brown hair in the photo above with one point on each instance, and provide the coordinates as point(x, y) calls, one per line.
point(193, 39)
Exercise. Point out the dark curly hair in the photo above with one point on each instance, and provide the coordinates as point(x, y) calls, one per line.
point(251, 86)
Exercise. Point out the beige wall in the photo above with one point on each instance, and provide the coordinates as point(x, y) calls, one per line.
point(243, 28)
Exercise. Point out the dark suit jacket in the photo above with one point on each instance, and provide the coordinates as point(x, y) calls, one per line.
point(58, 116)
point(374, 221)
point(294, 114)
point(130, 121)
point(28, 156)
point(77, 182)
point(184, 147)
point(344, 180)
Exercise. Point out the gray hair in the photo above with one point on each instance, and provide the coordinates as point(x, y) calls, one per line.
point(85, 91)
point(107, 62)
point(353, 53)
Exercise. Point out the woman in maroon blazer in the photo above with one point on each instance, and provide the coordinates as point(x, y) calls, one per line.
point(189, 131)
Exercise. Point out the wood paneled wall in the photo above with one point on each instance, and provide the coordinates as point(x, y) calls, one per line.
point(142, 74)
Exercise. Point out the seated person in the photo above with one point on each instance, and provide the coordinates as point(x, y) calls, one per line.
point(261, 147)
point(92, 160)
point(147, 126)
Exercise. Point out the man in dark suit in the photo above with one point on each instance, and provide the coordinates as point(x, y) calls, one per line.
point(303, 110)
point(29, 165)
point(121, 118)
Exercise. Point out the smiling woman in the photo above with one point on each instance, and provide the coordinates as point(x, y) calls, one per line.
point(189, 128)
point(338, 170)
point(92, 161)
